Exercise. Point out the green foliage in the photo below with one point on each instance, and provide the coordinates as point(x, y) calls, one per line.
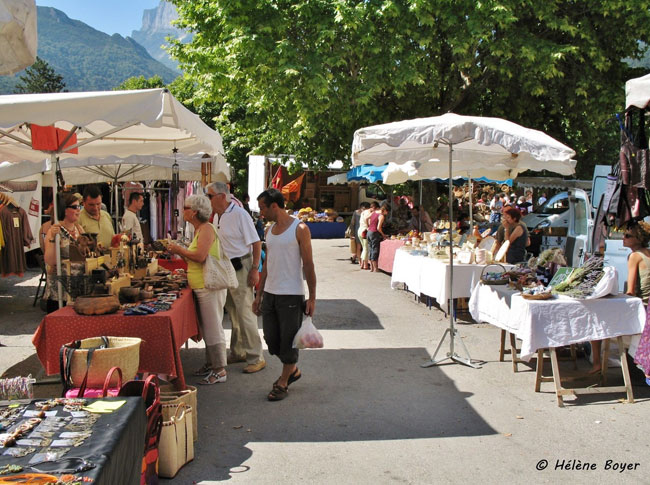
point(300, 76)
point(140, 82)
point(40, 78)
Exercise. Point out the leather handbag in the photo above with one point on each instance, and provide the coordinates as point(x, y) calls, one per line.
point(150, 392)
point(219, 274)
point(176, 442)
point(105, 391)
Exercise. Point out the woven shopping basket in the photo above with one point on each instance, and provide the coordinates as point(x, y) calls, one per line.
point(503, 280)
point(122, 352)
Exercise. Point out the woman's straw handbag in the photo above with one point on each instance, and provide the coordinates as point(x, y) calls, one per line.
point(176, 446)
point(105, 353)
point(170, 398)
point(219, 274)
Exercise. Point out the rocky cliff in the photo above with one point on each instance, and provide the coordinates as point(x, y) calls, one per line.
point(156, 26)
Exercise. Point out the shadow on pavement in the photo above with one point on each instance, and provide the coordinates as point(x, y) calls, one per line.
point(344, 395)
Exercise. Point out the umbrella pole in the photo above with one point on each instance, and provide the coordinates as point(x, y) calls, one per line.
point(57, 238)
point(451, 331)
point(471, 204)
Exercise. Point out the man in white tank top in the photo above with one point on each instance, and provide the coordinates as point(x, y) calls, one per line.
point(281, 294)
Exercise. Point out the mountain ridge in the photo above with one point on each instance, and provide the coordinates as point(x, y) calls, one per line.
point(89, 60)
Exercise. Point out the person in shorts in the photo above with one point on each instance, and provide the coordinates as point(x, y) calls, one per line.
point(281, 295)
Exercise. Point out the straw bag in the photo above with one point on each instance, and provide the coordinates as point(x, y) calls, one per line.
point(219, 274)
point(170, 398)
point(92, 358)
point(176, 446)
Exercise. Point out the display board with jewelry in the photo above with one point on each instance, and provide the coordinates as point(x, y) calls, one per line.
point(73, 436)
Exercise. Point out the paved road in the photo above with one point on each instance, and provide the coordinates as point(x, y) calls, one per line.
point(365, 412)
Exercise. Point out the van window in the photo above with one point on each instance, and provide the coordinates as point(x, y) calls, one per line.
point(580, 219)
point(557, 204)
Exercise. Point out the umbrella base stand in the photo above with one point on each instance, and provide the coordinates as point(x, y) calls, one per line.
point(452, 355)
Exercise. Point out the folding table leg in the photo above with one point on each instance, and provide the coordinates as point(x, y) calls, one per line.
point(556, 377)
point(513, 352)
point(502, 347)
point(626, 370)
point(539, 370)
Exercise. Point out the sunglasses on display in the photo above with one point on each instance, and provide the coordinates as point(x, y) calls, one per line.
point(75, 207)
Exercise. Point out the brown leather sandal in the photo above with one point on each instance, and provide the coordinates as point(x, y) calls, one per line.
point(278, 393)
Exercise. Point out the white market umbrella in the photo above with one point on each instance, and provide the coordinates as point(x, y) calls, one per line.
point(17, 35)
point(637, 92)
point(453, 145)
point(105, 123)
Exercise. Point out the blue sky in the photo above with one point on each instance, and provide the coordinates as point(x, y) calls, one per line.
point(112, 16)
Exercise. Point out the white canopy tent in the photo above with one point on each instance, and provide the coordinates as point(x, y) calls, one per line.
point(17, 35)
point(105, 123)
point(452, 145)
point(637, 92)
point(111, 169)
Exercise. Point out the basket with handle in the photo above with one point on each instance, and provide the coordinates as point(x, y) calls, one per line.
point(500, 281)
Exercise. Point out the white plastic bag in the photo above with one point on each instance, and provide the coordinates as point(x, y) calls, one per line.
point(308, 336)
point(607, 285)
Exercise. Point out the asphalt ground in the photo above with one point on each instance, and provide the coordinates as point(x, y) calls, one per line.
point(366, 412)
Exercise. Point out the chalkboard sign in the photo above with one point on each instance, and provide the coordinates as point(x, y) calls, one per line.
point(561, 275)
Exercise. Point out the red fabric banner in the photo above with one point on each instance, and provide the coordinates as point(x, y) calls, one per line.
point(50, 138)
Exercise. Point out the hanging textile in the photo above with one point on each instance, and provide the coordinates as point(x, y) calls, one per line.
point(16, 234)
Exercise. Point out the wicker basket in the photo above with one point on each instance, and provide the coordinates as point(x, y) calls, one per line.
point(501, 281)
point(540, 296)
point(122, 352)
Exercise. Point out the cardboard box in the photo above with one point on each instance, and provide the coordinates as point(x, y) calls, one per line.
point(114, 285)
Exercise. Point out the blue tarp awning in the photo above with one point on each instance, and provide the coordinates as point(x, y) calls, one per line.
point(370, 173)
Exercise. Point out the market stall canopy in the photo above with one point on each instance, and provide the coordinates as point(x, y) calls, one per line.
point(338, 179)
point(17, 35)
point(553, 183)
point(398, 174)
point(370, 173)
point(105, 123)
point(637, 92)
point(110, 169)
point(485, 147)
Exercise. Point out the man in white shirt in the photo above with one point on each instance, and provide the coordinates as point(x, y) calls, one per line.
point(241, 243)
point(130, 221)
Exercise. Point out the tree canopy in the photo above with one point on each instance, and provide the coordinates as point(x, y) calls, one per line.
point(40, 77)
point(300, 76)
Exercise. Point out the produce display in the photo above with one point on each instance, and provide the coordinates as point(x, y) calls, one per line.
point(521, 278)
point(307, 214)
point(581, 282)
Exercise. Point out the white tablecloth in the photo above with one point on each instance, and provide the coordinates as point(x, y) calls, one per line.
point(428, 276)
point(491, 304)
point(564, 321)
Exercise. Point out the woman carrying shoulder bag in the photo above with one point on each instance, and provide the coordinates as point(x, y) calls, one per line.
point(197, 211)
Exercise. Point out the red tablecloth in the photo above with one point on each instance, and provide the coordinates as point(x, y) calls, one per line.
point(163, 334)
point(172, 264)
point(387, 250)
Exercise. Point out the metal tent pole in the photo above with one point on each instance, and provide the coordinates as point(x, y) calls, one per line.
point(57, 238)
point(451, 331)
point(420, 192)
point(471, 204)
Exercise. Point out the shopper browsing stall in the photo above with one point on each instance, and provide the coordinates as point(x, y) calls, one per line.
point(243, 247)
point(376, 235)
point(367, 209)
point(420, 220)
point(282, 292)
point(197, 211)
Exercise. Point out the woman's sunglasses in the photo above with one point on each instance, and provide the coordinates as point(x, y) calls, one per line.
point(74, 207)
point(628, 236)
